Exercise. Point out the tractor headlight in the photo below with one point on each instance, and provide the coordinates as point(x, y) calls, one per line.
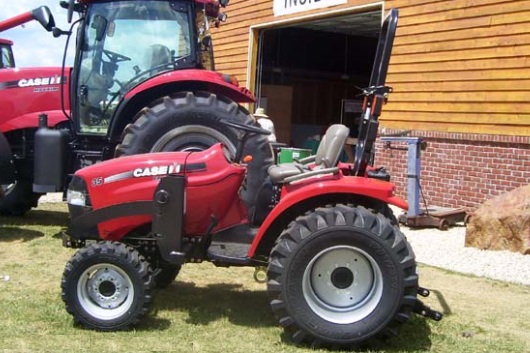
point(77, 193)
point(76, 197)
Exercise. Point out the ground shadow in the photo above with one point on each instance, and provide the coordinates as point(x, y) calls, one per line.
point(215, 301)
point(8, 234)
point(42, 217)
point(251, 309)
point(36, 218)
point(414, 336)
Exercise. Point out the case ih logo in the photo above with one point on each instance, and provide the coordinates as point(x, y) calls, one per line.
point(40, 81)
point(37, 82)
point(156, 170)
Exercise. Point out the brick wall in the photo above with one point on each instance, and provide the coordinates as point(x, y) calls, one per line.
point(460, 170)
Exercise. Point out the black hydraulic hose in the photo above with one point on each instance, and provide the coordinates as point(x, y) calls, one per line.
point(63, 72)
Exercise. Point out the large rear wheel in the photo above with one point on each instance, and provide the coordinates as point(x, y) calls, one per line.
point(107, 286)
point(342, 276)
point(194, 121)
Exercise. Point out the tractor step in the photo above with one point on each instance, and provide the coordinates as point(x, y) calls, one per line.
point(231, 246)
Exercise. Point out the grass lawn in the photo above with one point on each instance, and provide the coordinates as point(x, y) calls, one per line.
point(211, 309)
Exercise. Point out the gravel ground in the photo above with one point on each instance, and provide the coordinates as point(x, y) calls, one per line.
point(445, 249)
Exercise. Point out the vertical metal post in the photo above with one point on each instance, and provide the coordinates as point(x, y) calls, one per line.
point(413, 176)
point(413, 171)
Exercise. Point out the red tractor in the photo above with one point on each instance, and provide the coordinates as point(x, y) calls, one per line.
point(15, 88)
point(339, 271)
point(142, 81)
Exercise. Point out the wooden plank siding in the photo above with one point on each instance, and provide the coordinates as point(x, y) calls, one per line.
point(457, 65)
point(461, 66)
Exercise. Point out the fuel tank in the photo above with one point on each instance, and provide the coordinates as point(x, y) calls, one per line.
point(27, 92)
point(212, 185)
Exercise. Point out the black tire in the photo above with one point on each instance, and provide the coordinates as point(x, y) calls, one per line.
point(97, 284)
point(19, 198)
point(342, 276)
point(165, 276)
point(193, 121)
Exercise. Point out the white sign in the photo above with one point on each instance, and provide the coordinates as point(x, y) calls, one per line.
point(285, 7)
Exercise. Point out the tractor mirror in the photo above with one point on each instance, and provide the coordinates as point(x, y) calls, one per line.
point(99, 23)
point(223, 3)
point(44, 16)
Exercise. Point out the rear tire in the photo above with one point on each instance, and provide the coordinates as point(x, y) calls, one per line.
point(190, 121)
point(107, 286)
point(18, 198)
point(342, 276)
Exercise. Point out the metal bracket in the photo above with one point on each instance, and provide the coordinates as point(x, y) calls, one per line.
point(424, 310)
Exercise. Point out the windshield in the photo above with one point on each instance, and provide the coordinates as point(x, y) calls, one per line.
point(124, 44)
point(6, 57)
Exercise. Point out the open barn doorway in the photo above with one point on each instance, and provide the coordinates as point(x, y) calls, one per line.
point(308, 73)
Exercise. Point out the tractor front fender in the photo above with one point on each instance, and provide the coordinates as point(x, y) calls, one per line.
point(298, 198)
point(7, 174)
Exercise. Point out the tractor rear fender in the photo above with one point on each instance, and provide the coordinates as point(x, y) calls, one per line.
point(7, 176)
point(31, 120)
point(172, 82)
point(298, 198)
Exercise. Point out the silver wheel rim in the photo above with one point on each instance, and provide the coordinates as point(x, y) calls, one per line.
point(182, 131)
point(105, 291)
point(342, 284)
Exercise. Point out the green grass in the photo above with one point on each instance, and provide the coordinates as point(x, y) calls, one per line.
point(211, 309)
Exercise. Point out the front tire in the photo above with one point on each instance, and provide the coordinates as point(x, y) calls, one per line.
point(342, 276)
point(107, 286)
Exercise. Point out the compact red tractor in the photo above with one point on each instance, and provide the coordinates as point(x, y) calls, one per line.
point(339, 271)
point(143, 80)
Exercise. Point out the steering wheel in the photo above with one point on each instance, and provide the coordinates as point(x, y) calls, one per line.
point(123, 86)
point(115, 57)
point(248, 128)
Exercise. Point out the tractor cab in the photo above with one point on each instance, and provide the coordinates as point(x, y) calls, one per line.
point(122, 44)
point(7, 60)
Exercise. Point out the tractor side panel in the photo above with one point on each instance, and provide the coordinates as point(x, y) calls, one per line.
point(293, 194)
point(25, 93)
point(31, 120)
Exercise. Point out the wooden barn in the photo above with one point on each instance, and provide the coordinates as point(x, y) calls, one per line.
point(459, 69)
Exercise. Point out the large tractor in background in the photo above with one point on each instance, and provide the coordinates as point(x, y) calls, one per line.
point(143, 81)
point(41, 14)
point(19, 99)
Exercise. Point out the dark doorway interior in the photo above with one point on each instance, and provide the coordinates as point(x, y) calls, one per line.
point(321, 65)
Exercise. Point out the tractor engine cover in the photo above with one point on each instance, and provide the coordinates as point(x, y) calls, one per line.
point(212, 185)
